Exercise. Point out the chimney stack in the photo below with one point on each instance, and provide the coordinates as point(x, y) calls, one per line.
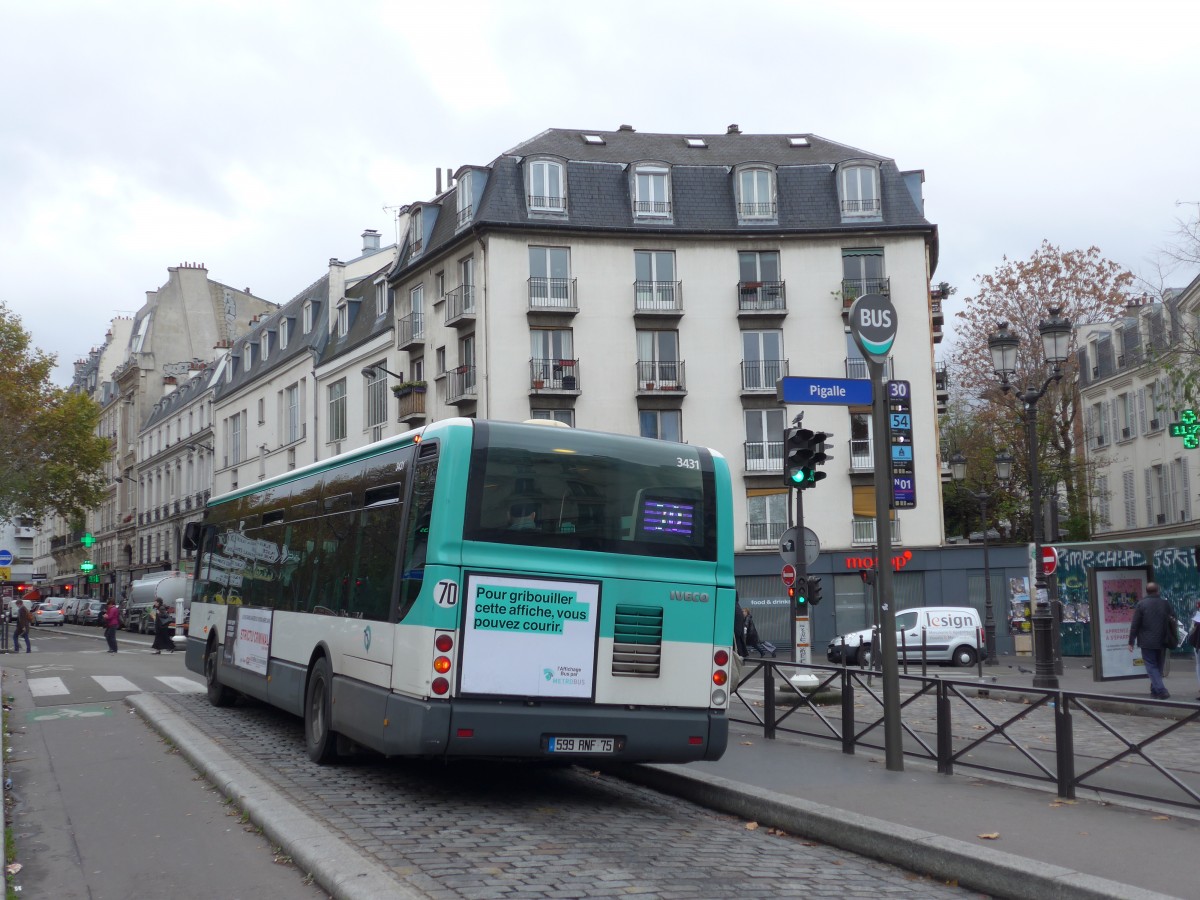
point(733, 129)
point(370, 239)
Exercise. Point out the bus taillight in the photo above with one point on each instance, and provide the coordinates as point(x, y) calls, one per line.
point(721, 657)
point(443, 643)
point(440, 686)
point(720, 677)
point(441, 665)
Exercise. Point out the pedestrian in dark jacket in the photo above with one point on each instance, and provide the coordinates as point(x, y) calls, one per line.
point(162, 628)
point(753, 640)
point(739, 630)
point(111, 617)
point(24, 618)
point(1151, 618)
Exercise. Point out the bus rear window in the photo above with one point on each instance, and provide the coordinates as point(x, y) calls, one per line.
point(559, 487)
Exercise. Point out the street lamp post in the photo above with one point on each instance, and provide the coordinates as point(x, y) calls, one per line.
point(1056, 336)
point(958, 467)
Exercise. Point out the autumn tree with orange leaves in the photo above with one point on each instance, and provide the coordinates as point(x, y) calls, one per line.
point(1086, 288)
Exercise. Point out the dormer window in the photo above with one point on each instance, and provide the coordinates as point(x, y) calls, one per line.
point(547, 189)
point(465, 206)
point(283, 332)
point(381, 299)
point(652, 192)
point(343, 319)
point(416, 235)
point(264, 345)
point(756, 193)
point(307, 321)
point(860, 191)
point(247, 355)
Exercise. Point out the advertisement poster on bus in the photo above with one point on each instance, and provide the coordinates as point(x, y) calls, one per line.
point(1117, 592)
point(251, 633)
point(529, 637)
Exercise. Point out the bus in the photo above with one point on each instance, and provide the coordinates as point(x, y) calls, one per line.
point(479, 588)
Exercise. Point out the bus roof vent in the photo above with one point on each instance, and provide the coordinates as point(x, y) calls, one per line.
point(637, 641)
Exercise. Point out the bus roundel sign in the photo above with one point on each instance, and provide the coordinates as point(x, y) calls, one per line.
point(873, 324)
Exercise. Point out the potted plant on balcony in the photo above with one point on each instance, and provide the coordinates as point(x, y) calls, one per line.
point(404, 388)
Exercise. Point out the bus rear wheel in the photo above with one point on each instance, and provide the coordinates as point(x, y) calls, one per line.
point(319, 738)
point(218, 694)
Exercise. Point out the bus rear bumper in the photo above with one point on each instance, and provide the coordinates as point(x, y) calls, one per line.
point(512, 729)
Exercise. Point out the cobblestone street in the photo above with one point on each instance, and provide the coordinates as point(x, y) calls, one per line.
point(486, 830)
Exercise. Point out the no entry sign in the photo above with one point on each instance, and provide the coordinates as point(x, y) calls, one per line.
point(789, 575)
point(1049, 560)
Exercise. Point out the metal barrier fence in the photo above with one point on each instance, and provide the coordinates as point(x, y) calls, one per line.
point(1069, 739)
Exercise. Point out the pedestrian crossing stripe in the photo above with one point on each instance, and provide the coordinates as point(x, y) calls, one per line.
point(116, 684)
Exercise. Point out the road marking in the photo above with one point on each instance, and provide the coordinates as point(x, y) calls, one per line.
point(66, 712)
point(114, 683)
point(181, 684)
point(47, 687)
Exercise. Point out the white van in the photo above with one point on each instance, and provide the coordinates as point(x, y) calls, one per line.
point(952, 634)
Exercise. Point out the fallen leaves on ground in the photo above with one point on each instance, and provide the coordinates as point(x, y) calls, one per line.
point(751, 826)
point(989, 836)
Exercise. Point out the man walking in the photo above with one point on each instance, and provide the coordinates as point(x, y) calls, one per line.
point(23, 621)
point(1151, 618)
point(111, 618)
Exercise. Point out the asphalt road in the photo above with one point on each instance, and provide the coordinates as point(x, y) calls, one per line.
point(100, 806)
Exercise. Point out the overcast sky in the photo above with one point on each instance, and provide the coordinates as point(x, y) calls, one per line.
point(262, 136)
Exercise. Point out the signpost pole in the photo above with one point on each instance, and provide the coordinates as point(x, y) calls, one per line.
point(800, 623)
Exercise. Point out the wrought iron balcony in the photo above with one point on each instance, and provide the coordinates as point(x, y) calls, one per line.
point(554, 375)
point(658, 296)
point(764, 534)
point(540, 202)
point(856, 367)
point(862, 532)
point(763, 456)
point(652, 207)
point(861, 207)
point(660, 377)
point(756, 210)
point(762, 374)
point(460, 385)
point(552, 295)
point(410, 331)
point(460, 304)
point(762, 297)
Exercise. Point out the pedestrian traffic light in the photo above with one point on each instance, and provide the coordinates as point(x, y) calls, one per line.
point(814, 590)
point(798, 597)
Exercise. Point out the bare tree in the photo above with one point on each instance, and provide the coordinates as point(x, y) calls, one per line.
point(1086, 287)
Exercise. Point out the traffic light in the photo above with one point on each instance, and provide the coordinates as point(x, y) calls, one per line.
point(804, 450)
point(799, 598)
point(814, 590)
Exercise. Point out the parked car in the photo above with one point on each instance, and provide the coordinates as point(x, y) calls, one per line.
point(49, 612)
point(952, 635)
point(70, 606)
point(89, 612)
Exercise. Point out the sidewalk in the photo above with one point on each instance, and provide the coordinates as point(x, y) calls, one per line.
point(1037, 846)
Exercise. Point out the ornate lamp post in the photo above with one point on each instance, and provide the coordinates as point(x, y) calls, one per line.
point(1056, 336)
point(958, 467)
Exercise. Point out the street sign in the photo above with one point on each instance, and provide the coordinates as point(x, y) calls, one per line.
point(828, 391)
point(900, 437)
point(789, 575)
point(6, 557)
point(812, 547)
point(5, 573)
point(873, 325)
point(1049, 560)
point(787, 545)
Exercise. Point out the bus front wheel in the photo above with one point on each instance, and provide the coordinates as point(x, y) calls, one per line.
point(218, 694)
point(319, 739)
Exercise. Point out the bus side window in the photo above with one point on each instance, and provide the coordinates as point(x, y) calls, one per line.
point(416, 543)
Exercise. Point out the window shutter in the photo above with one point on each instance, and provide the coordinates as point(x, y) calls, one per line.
point(1089, 427)
point(1111, 411)
point(1130, 499)
point(1141, 402)
point(1149, 499)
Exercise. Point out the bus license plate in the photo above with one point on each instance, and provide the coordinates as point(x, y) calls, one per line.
point(582, 745)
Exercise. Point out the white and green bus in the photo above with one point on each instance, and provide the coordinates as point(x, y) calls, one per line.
point(479, 589)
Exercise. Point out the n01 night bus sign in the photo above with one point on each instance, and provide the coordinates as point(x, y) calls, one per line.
point(900, 437)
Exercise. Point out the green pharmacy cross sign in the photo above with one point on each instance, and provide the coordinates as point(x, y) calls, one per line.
point(1187, 428)
point(88, 539)
point(86, 566)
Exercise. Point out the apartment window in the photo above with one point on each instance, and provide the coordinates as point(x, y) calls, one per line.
point(1126, 410)
point(416, 301)
point(343, 319)
point(566, 416)
point(262, 410)
point(248, 356)
point(439, 360)
point(292, 406)
point(546, 186)
point(464, 199)
point(236, 437)
point(756, 194)
point(375, 393)
point(1156, 495)
point(548, 347)
point(652, 192)
point(439, 286)
point(264, 346)
point(766, 517)
point(549, 276)
point(860, 191)
point(1130, 499)
point(284, 324)
point(759, 284)
point(1097, 423)
point(337, 411)
point(664, 424)
point(764, 440)
point(862, 273)
point(466, 359)
point(861, 458)
point(655, 286)
point(381, 299)
point(416, 233)
point(658, 359)
point(762, 359)
point(307, 319)
point(1102, 504)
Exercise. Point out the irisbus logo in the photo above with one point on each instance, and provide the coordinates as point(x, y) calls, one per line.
point(690, 596)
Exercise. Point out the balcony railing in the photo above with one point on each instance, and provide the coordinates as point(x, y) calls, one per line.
point(853, 288)
point(657, 296)
point(460, 385)
point(554, 374)
point(460, 303)
point(856, 367)
point(761, 296)
point(756, 210)
point(762, 374)
point(860, 207)
point(763, 456)
point(552, 294)
point(863, 532)
point(412, 405)
point(862, 455)
point(656, 376)
point(764, 534)
point(651, 207)
point(540, 202)
point(464, 215)
point(411, 330)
